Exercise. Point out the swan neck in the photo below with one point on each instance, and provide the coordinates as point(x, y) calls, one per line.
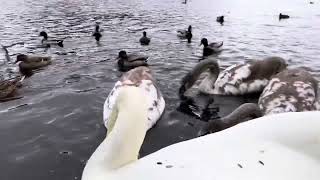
point(189, 80)
point(245, 112)
point(124, 139)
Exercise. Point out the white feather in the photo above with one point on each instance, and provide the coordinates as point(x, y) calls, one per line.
point(155, 101)
point(265, 148)
point(231, 82)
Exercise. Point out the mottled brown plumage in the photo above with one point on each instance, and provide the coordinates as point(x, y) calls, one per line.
point(8, 88)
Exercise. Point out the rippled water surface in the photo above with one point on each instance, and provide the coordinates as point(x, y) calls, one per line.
point(53, 129)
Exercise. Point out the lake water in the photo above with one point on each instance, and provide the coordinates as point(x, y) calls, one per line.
point(54, 128)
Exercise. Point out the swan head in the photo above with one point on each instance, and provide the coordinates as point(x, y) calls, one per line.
point(122, 54)
point(245, 112)
point(204, 42)
point(144, 34)
point(43, 34)
point(278, 64)
point(21, 57)
point(213, 126)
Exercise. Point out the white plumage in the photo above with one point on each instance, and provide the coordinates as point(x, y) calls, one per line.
point(140, 77)
point(262, 149)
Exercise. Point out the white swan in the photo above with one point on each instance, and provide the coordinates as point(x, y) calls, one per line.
point(292, 90)
point(263, 149)
point(239, 79)
point(140, 77)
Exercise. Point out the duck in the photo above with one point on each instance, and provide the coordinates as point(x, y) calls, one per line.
point(185, 34)
point(142, 78)
point(29, 63)
point(238, 79)
point(292, 90)
point(283, 16)
point(220, 19)
point(48, 42)
point(212, 48)
point(144, 40)
point(265, 148)
point(127, 62)
point(97, 34)
point(8, 88)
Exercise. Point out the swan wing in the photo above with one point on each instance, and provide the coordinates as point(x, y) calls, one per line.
point(230, 81)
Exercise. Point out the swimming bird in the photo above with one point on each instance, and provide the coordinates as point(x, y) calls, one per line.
point(220, 19)
point(144, 40)
point(292, 90)
point(48, 42)
point(212, 48)
point(142, 78)
point(97, 34)
point(283, 16)
point(127, 62)
point(268, 148)
point(29, 63)
point(8, 87)
point(185, 34)
point(238, 79)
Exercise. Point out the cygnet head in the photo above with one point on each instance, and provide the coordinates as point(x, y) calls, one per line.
point(278, 64)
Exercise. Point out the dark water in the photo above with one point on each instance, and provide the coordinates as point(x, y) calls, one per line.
point(54, 128)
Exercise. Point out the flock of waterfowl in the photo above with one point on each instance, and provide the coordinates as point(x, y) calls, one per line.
point(282, 137)
point(266, 147)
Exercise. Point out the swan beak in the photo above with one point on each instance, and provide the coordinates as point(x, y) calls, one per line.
point(200, 44)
